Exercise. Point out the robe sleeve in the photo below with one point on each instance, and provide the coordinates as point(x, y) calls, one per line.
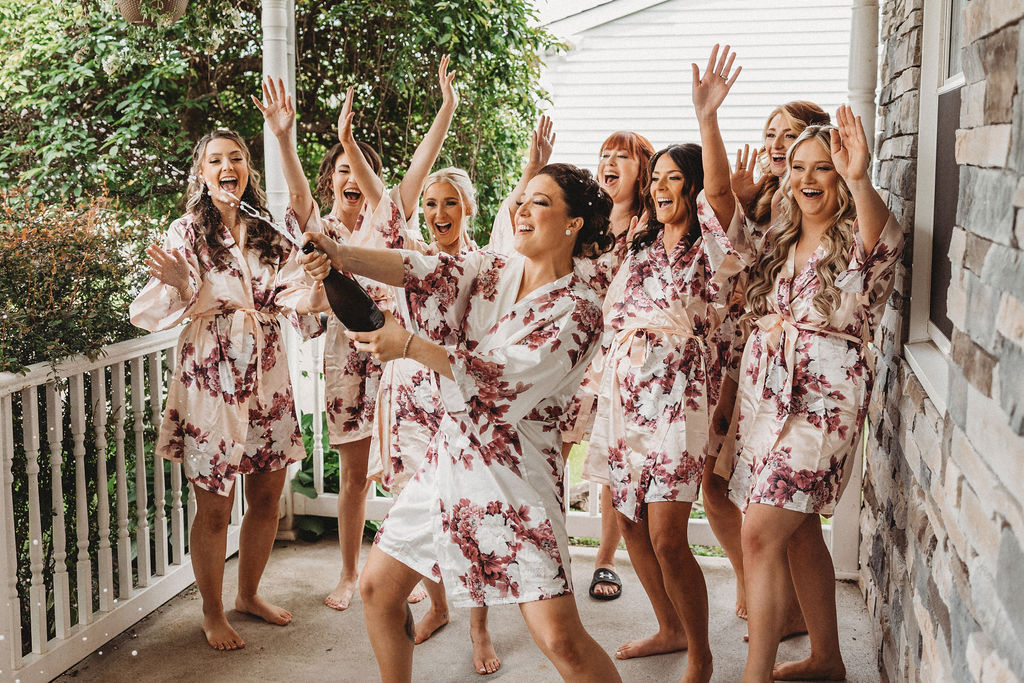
point(872, 274)
point(506, 383)
point(293, 285)
point(437, 290)
point(159, 306)
point(727, 252)
point(386, 227)
point(503, 233)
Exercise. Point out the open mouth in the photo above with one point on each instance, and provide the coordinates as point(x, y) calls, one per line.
point(811, 194)
point(663, 203)
point(229, 184)
point(778, 158)
point(523, 228)
point(352, 195)
point(442, 228)
point(610, 179)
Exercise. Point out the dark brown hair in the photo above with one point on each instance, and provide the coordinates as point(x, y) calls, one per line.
point(689, 160)
point(324, 181)
point(588, 201)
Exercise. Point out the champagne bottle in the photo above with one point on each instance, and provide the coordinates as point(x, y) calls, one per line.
point(349, 301)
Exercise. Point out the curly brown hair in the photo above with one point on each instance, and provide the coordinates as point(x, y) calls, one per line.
point(208, 220)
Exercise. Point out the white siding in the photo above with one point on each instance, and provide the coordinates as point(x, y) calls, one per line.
point(633, 73)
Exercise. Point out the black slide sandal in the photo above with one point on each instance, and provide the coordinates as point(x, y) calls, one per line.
point(605, 575)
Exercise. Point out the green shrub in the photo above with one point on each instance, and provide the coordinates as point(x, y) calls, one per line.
point(69, 274)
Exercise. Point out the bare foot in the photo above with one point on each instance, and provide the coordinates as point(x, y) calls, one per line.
point(485, 659)
point(219, 633)
point(810, 670)
point(658, 644)
point(258, 607)
point(418, 594)
point(341, 597)
point(429, 624)
point(741, 601)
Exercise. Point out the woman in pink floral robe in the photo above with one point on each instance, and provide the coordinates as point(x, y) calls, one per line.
point(229, 404)
point(510, 338)
point(805, 381)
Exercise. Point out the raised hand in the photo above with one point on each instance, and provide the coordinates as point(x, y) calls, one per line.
point(743, 175)
point(446, 81)
point(850, 153)
point(170, 267)
point(542, 139)
point(278, 112)
point(636, 223)
point(709, 90)
point(345, 136)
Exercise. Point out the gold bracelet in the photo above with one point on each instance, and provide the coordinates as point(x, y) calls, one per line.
point(408, 341)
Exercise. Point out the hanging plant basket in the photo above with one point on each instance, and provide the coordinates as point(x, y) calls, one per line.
point(168, 10)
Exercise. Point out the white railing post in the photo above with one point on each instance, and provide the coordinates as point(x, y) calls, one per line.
point(105, 559)
point(37, 589)
point(138, 379)
point(54, 439)
point(156, 384)
point(10, 614)
point(124, 541)
point(83, 567)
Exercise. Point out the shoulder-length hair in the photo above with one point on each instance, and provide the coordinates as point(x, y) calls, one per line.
point(689, 160)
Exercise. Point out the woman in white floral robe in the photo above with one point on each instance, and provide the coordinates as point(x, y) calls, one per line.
point(229, 404)
point(806, 373)
point(510, 338)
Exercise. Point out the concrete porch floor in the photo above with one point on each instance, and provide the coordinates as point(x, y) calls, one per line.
point(324, 645)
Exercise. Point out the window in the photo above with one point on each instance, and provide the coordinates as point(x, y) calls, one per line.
point(938, 184)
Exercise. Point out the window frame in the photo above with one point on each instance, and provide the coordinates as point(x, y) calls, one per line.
point(928, 350)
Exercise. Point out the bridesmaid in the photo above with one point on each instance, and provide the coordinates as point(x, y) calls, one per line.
point(805, 382)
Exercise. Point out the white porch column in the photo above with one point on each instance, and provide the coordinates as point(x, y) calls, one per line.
point(278, 62)
point(863, 78)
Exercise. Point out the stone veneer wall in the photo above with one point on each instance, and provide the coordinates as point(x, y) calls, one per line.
point(942, 565)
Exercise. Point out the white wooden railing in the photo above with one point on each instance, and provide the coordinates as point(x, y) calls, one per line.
point(119, 577)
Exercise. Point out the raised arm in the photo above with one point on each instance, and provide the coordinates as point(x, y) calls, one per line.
point(430, 146)
point(369, 184)
point(709, 92)
point(542, 139)
point(852, 158)
point(279, 115)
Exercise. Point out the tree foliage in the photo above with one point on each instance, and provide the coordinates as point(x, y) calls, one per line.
point(93, 102)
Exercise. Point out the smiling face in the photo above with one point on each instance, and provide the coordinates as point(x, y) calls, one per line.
point(225, 168)
point(778, 138)
point(343, 182)
point(668, 184)
point(617, 172)
point(444, 213)
point(543, 218)
point(814, 181)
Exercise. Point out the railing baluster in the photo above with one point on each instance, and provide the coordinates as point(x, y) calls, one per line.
point(179, 526)
point(236, 506)
point(37, 590)
point(191, 507)
point(98, 384)
point(141, 488)
point(83, 566)
point(11, 646)
point(54, 439)
point(318, 415)
point(124, 543)
point(159, 483)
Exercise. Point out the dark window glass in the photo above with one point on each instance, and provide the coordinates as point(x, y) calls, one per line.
point(947, 187)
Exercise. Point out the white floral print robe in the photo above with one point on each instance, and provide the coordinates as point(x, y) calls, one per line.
point(230, 395)
point(485, 509)
point(653, 412)
point(805, 381)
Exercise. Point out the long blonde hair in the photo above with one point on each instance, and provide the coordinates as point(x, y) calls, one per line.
point(837, 239)
point(460, 180)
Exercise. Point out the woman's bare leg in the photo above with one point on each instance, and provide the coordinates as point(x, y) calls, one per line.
point(683, 581)
point(351, 518)
point(815, 579)
point(207, 543)
point(436, 616)
point(259, 528)
point(671, 636)
point(610, 537)
point(726, 520)
point(384, 586)
point(556, 628)
point(767, 531)
point(485, 659)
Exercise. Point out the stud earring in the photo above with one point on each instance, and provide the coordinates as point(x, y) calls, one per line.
point(568, 232)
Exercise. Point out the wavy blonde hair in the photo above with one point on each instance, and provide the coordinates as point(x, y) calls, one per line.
point(460, 180)
point(837, 239)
